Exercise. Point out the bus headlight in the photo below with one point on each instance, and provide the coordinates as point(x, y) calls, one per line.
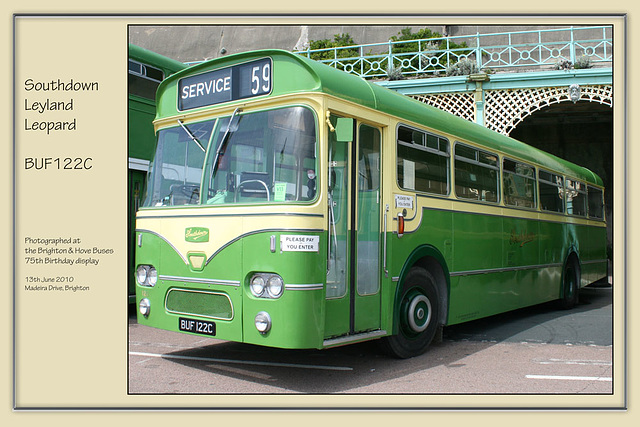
point(152, 276)
point(266, 285)
point(141, 274)
point(257, 285)
point(146, 275)
point(275, 286)
point(262, 322)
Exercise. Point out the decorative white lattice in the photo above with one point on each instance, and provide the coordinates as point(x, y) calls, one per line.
point(459, 103)
point(504, 109)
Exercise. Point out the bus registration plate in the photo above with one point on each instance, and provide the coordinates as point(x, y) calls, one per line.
point(197, 326)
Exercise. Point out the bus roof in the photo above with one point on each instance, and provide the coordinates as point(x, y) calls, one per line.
point(293, 73)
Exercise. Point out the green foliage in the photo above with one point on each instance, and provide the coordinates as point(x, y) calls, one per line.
point(440, 44)
point(339, 40)
point(582, 63)
point(394, 74)
point(563, 64)
point(407, 34)
point(463, 67)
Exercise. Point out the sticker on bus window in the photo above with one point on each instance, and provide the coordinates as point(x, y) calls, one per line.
point(409, 175)
point(280, 190)
point(299, 243)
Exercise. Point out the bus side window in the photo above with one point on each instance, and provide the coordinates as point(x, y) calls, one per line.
point(422, 161)
point(519, 184)
point(576, 198)
point(476, 174)
point(596, 202)
point(551, 192)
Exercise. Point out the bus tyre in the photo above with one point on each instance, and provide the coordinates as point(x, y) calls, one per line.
point(418, 315)
point(570, 285)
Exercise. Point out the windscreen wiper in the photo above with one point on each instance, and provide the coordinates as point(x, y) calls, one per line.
point(193, 138)
point(223, 143)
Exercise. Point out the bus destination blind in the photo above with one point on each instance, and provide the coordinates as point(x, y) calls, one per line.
point(226, 84)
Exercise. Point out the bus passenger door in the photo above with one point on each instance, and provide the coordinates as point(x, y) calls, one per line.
point(353, 258)
point(366, 228)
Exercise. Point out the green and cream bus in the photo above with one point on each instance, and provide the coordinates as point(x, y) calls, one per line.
point(292, 205)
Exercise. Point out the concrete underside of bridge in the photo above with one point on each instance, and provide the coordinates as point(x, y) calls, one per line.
point(581, 133)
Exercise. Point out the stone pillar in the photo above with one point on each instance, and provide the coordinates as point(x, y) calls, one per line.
point(478, 79)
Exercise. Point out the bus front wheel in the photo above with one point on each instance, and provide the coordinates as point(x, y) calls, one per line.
point(418, 315)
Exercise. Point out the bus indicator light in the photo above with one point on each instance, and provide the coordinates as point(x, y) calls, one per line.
point(400, 224)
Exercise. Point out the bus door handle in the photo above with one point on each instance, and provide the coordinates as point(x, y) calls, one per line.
point(384, 242)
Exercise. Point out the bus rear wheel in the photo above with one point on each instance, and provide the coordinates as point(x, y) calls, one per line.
point(418, 315)
point(570, 285)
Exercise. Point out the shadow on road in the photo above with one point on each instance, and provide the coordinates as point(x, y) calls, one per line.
point(590, 323)
point(347, 368)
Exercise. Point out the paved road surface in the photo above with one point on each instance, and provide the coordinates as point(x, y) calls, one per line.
point(539, 350)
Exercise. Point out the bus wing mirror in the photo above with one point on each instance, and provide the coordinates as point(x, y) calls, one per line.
point(344, 129)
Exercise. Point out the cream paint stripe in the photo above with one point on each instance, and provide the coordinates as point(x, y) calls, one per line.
point(226, 228)
point(242, 214)
point(260, 232)
point(140, 242)
point(241, 362)
point(457, 206)
point(223, 245)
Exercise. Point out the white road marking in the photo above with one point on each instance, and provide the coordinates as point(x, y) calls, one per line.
point(567, 378)
point(241, 362)
point(575, 362)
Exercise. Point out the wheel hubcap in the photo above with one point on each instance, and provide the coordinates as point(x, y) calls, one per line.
point(419, 313)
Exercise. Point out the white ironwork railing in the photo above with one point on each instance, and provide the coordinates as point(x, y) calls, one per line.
point(580, 47)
